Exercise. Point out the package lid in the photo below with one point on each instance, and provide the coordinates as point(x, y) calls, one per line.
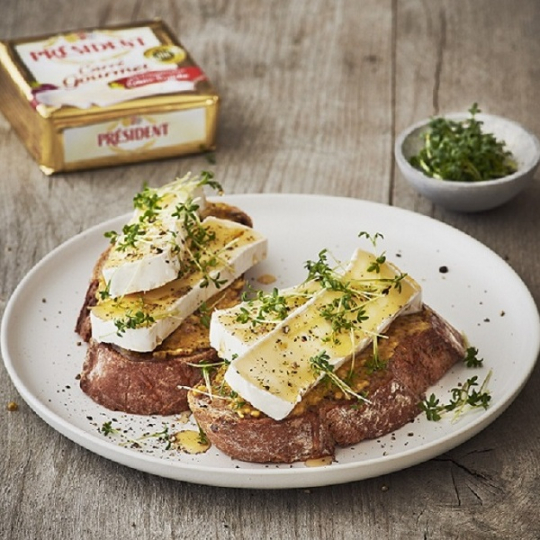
point(86, 71)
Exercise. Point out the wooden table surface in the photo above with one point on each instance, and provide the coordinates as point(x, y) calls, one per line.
point(313, 95)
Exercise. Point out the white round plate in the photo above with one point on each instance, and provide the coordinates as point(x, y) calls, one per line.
point(479, 294)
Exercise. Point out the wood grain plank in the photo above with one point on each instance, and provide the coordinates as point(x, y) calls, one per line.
point(313, 96)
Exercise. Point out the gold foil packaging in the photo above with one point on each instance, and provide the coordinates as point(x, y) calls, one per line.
point(106, 96)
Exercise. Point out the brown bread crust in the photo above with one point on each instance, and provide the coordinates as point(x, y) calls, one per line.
point(262, 440)
point(150, 383)
point(145, 386)
point(418, 350)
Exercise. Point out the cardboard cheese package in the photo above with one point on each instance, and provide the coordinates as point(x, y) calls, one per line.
point(106, 96)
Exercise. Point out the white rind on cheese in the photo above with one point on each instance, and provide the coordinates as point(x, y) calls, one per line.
point(236, 248)
point(156, 257)
point(275, 372)
point(144, 274)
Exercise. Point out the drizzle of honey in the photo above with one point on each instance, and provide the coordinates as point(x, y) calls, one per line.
point(190, 442)
point(319, 462)
point(266, 279)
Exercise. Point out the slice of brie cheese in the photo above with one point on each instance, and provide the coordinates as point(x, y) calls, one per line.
point(231, 338)
point(141, 321)
point(275, 372)
point(154, 257)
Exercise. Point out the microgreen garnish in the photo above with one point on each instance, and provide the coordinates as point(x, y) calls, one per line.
point(321, 366)
point(203, 438)
point(207, 179)
point(148, 202)
point(321, 272)
point(196, 244)
point(206, 370)
point(132, 321)
point(466, 395)
point(343, 314)
point(471, 358)
point(105, 293)
point(375, 266)
point(130, 234)
point(375, 362)
point(344, 311)
point(462, 151)
point(236, 400)
point(209, 365)
point(187, 211)
point(169, 440)
point(347, 310)
point(371, 237)
point(319, 269)
point(163, 436)
point(432, 407)
point(271, 307)
point(107, 429)
point(112, 236)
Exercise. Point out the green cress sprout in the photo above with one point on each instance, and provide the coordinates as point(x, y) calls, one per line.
point(469, 395)
point(461, 151)
point(321, 366)
point(344, 312)
point(464, 395)
point(132, 321)
point(272, 307)
point(199, 257)
point(148, 203)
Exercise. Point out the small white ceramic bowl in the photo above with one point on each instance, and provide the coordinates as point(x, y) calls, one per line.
point(472, 196)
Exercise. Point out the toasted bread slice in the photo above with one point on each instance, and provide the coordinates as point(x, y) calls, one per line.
point(148, 383)
point(417, 351)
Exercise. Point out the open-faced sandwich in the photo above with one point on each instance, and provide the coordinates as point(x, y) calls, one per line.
point(345, 356)
point(146, 311)
point(271, 377)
